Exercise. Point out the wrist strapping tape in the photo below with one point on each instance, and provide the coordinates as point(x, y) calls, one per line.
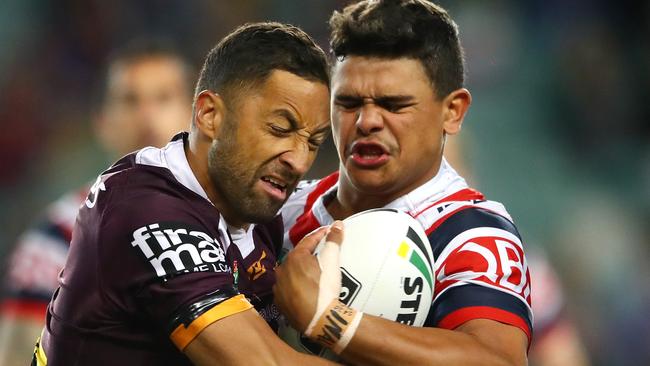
point(335, 327)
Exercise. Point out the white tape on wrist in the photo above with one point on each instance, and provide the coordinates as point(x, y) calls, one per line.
point(335, 327)
point(333, 324)
point(329, 284)
point(348, 334)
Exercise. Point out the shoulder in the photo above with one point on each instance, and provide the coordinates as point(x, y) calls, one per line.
point(480, 263)
point(143, 208)
point(478, 236)
point(485, 247)
point(468, 219)
point(133, 184)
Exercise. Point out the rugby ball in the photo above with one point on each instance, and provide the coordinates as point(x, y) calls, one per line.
point(386, 270)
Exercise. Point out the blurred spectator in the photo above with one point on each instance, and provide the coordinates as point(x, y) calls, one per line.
point(145, 100)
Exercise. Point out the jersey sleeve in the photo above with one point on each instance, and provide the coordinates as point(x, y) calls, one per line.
point(165, 257)
point(480, 271)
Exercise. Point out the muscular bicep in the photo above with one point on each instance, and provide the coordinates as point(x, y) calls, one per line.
point(244, 338)
point(506, 340)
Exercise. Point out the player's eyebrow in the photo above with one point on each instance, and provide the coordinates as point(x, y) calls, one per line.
point(295, 125)
point(286, 114)
point(394, 99)
point(397, 98)
point(323, 130)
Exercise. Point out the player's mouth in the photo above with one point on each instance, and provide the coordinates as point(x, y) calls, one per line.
point(367, 154)
point(275, 187)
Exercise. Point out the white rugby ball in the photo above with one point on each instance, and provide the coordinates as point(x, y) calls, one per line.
point(386, 268)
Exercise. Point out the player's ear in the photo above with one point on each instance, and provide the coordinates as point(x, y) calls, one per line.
point(455, 107)
point(209, 113)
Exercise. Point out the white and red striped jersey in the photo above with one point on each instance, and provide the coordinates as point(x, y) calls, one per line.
point(480, 267)
point(39, 255)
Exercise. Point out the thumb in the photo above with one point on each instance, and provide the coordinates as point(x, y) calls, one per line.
point(311, 240)
point(335, 233)
point(329, 254)
point(328, 259)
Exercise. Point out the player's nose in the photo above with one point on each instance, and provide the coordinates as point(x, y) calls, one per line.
point(299, 158)
point(369, 119)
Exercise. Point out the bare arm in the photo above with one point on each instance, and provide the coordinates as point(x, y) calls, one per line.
point(379, 341)
point(244, 339)
point(478, 342)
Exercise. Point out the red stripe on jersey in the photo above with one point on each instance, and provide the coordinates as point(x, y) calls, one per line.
point(66, 232)
point(466, 194)
point(30, 309)
point(459, 317)
point(307, 222)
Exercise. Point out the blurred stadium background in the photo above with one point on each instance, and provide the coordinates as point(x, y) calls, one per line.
point(559, 129)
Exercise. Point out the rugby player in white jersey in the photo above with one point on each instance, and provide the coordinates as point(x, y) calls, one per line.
point(397, 92)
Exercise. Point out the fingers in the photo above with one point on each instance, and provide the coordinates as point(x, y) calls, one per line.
point(328, 260)
point(311, 240)
point(335, 233)
point(332, 233)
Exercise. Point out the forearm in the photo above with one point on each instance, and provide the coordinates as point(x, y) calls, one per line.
point(382, 342)
point(260, 354)
point(244, 338)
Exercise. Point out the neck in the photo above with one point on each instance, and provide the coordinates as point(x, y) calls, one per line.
point(350, 200)
point(197, 158)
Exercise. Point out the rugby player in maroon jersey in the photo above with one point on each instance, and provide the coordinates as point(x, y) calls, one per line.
point(171, 260)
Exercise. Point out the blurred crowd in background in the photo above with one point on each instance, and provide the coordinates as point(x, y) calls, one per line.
point(558, 130)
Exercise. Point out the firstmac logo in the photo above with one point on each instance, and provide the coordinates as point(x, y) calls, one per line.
point(173, 248)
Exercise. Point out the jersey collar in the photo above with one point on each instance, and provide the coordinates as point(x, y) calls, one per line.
point(444, 183)
point(172, 157)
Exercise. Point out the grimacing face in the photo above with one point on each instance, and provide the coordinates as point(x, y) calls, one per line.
point(147, 102)
point(267, 143)
point(387, 125)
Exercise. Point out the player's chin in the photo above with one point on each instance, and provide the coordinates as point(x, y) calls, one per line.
point(263, 210)
point(370, 180)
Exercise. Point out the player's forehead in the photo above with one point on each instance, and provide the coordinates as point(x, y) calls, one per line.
point(374, 76)
point(287, 95)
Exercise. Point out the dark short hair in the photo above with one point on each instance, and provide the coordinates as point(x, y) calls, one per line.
point(139, 49)
point(414, 29)
point(250, 53)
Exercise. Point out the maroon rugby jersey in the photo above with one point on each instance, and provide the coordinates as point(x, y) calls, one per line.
point(150, 261)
